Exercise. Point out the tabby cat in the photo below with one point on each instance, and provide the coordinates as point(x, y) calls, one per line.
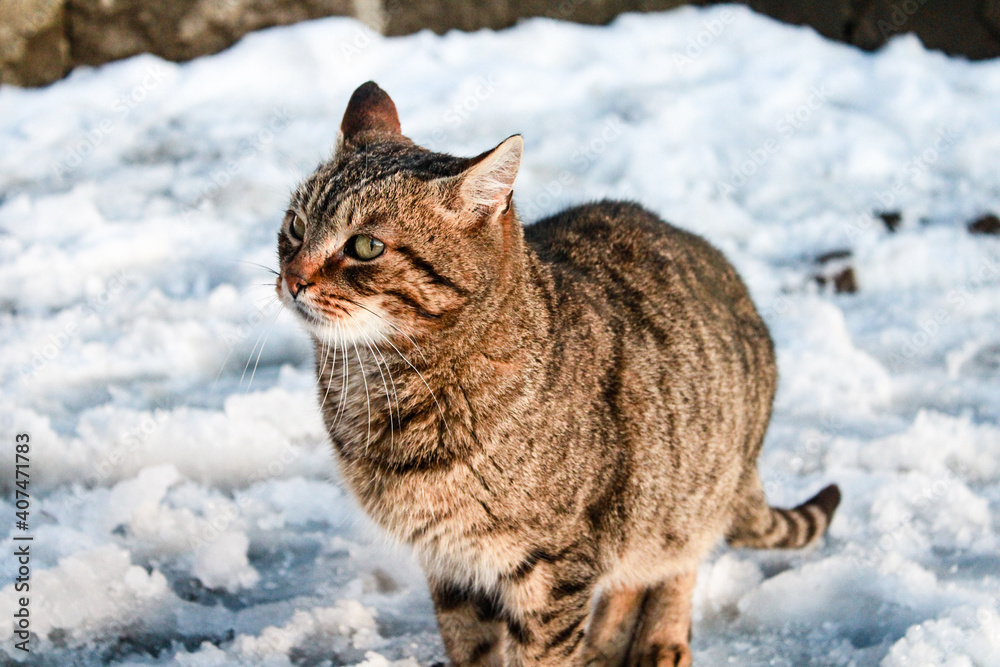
point(561, 419)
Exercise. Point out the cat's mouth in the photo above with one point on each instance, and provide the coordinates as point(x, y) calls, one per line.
point(337, 318)
point(306, 313)
point(332, 313)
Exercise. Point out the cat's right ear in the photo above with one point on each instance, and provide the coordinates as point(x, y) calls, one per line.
point(369, 110)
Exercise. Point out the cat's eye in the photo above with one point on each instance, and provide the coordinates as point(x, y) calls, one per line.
point(296, 227)
point(365, 247)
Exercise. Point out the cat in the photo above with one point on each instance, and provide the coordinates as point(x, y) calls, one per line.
point(561, 419)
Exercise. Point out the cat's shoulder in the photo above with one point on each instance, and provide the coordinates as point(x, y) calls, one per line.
point(608, 223)
point(605, 215)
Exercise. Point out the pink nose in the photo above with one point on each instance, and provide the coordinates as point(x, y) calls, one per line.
point(295, 283)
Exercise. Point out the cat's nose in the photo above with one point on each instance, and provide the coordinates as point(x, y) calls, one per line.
point(295, 283)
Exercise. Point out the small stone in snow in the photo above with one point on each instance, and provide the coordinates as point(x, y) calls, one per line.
point(892, 219)
point(987, 224)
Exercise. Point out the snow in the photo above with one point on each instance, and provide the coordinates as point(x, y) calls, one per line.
point(185, 508)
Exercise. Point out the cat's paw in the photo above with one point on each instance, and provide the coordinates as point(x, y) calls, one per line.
point(673, 655)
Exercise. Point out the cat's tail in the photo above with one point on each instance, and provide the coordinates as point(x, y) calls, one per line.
point(758, 526)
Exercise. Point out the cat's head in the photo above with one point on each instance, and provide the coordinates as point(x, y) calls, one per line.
point(388, 239)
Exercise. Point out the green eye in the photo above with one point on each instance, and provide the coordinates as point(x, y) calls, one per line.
point(297, 227)
point(365, 247)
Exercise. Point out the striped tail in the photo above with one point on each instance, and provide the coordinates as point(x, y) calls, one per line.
point(761, 527)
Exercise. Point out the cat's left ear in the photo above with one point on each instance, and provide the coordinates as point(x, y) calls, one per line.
point(488, 183)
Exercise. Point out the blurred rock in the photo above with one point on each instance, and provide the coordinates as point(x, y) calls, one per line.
point(957, 27)
point(34, 49)
point(105, 30)
point(835, 270)
point(40, 40)
point(830, 18)
point(991, 12)
point(844, 282)
point(832, 256)
point(403, 17)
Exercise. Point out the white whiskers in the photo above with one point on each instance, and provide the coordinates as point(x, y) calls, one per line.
point(371, 338)
point(422, 379)
point(388, 398)
point(368, 400)
point(322, 368)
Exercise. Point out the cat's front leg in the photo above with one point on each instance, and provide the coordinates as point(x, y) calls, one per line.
point(612, 625)
point(663, 636)
point(546, 618)
point(469, 625)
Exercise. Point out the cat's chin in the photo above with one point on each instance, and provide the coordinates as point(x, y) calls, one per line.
point(360, 327)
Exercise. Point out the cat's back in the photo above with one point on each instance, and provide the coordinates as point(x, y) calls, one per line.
point(620, 250)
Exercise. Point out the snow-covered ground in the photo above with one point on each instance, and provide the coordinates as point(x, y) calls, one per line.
point(184, 509)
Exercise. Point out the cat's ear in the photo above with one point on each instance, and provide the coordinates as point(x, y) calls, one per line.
point(369, 110)
point(488, 183)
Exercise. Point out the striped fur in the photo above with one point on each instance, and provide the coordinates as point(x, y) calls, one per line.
point(761, 527)
point(561, 419)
